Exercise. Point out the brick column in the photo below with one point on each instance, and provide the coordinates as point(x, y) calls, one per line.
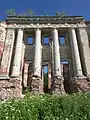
point(7, 53)
point(25, 76)
point(17, 55)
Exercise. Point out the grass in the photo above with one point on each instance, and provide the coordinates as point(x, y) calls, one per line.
point(47, 107)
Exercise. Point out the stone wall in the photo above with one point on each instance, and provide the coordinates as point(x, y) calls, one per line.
point(10, 88)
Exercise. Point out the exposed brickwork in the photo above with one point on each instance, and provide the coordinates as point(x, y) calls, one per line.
point(25, 74)
point(7, 53)
point(58, 86)
point(10, 88)
point(30, 61)
point(80, 85)
point(36, 85)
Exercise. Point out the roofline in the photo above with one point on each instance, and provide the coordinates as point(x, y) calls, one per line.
point(44, 16)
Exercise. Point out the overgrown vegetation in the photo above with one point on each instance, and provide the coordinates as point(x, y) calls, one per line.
point(47, 107)
point(29, 12)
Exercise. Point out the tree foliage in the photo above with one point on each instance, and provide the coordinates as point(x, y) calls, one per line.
point(11, 12)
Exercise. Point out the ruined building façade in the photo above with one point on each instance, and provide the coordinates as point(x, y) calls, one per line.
point(28, 44)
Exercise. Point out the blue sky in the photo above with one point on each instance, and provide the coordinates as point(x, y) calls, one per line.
point(50, 7)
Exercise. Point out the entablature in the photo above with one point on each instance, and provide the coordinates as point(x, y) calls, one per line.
point(44, 19)
point(51, 26)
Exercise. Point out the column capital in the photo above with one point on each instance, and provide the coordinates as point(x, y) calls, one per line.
point(37, 29)
point(81, 28)
point(10, 28)
point(20, 29)
point(71, 29)
point(54, 29)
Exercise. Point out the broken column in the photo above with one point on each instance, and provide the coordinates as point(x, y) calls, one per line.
point(79, 82)
point(37, 83)
point(58, 87)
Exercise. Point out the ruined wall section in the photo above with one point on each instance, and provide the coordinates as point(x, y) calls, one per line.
point(2, 38)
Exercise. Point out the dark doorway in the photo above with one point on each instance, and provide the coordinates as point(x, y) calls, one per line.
point(45, 78)
point(66, 75)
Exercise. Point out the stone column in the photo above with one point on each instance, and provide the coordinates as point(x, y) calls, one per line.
point(58, 79)
point(37, 60)
point(2, 40)
point(57, 69)
point(22, 59)
point(25, 76)
point(75, 53)
point(17, 55)
point(37, 83)
point(84, 50)
point(7, 53)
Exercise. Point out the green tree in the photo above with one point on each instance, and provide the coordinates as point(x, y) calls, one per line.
point(57, 13)
point(11, 12)
point(64, 14)
point(30, 12)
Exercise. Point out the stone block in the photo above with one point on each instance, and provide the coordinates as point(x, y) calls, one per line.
point(10, 88)
point(80, 85)
point(37, 85)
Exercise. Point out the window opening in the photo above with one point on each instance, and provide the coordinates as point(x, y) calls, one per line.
point(46, 40)
point(30, 40)
point(62, 40)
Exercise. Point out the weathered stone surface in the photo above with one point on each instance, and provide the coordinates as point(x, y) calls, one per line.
point(7, 53)
point(58, 86)
point(36, 85)
point(16, 49)
point(80, 85)
point(10, 88)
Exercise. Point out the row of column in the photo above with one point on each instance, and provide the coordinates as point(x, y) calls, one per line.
point(38, 53)
point(56, 53)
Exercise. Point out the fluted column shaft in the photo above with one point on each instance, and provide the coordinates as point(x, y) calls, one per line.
point(75, 51)
point(17, 55)
point(38, 50)
point(57, 68)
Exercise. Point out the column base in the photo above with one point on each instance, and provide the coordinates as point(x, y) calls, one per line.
point(36, 85)
point(10, 88)
point(80, 84)
point(58, 86)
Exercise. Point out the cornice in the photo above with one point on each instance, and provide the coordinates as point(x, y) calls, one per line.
point(44, 19)
point(41, 26)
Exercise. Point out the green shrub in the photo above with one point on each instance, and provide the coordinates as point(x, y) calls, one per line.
point(47, 107)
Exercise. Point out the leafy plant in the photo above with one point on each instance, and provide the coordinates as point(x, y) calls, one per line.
point(64, 14)
point(11, 12)
point(30, 12)
point(47, 107)
point(57, 13)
